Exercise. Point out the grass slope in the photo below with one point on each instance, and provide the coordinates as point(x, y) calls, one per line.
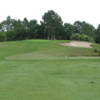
point(38, 70)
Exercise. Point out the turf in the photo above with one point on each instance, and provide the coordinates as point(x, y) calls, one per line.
point(44, 70)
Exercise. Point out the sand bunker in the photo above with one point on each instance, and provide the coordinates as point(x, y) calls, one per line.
point(78, 44)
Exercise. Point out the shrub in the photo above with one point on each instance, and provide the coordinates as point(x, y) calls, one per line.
point(81, 37)
point(2, 36)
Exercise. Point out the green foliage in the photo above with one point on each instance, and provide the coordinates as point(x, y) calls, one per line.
point(33, 29)
point(68, 31)
point(97, 39)
point(86, 28)
point(3, 36)
point(51, 27)
point(10, 35)
point(52, 24)
point(83, 27)
point(81, 37)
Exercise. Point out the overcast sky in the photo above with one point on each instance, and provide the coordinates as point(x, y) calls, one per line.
point(69, 10)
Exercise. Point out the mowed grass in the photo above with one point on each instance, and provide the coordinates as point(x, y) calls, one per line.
point(43, 70)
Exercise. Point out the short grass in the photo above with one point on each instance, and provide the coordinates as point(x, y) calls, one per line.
point(44, 70)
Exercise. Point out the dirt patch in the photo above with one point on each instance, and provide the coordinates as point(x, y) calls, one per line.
point(77, 44)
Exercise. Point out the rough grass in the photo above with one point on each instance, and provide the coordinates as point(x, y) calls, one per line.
point(44, 70)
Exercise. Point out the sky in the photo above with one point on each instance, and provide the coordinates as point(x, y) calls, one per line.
point(69, 10)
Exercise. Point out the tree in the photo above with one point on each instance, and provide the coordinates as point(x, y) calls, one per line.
point(51, 27)
point(78, 27)
point(53, 24)
point(7, 24)
point(88, 29)
point(42, 34)
point(84, 28)
point(26, 23)
point(98, 34)
point(19, 31)
point(33, 29)
point(69, 30)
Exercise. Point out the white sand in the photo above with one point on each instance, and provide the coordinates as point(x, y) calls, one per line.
point(78, 44)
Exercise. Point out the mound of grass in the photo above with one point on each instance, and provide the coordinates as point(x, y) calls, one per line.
point(32, 49)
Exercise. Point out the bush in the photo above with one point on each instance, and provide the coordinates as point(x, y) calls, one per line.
point(2, 36)
point(81, 37)
point(10, 35)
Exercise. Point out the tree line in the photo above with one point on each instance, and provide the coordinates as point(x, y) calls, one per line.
point(51, 27)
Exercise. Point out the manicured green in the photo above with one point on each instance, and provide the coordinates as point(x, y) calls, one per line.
point(45, 70)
